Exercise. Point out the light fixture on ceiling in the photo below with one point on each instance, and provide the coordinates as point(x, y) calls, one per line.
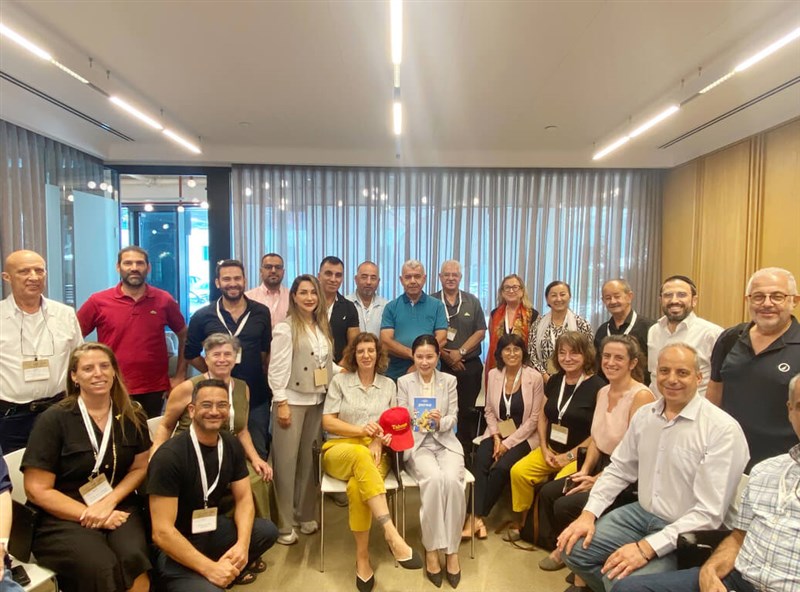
point(204, 205)
point(21, 41)
point(70, 198)
point(657, 119)
point(770, 49)
point(611, 147)
point(248, 192)
point(103, 186)
point(91, 184)
point(716, 83)
point(396, 20)
point(148, 207)
point(191, 183)
point(397, 118)
point(182, 141)
point(136, 113)
point(180, 209)
point(63, 68)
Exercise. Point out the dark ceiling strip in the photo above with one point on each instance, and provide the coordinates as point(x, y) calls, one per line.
point(57, 103)
point(733, 111)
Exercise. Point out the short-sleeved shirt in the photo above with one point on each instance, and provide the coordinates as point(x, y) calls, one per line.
point(60, 445)
point(638, 332)
point(755, 387)
point(578, 416)
point(174, 471)
point(344, 316)
point(369, 317)
point(409, 321)
point(255, 339)
point(134, 329)
point(466, 317)
point(357, 404)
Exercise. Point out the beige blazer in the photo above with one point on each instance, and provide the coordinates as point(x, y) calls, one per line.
point(444, 389)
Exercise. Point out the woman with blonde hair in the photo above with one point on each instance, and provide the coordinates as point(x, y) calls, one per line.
point(85, 458)
point(300, 369)
point(514, 314)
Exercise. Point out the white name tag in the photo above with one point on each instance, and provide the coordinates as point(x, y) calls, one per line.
point(204, 520)
point(559, 434)
point(506, 428)
point(95, 490)
point(239, 357)
point(35, 370)
point(321, 377)
point(451, 333)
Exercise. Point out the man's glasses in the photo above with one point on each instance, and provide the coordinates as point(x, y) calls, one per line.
point(775, 297)
point(272, 267)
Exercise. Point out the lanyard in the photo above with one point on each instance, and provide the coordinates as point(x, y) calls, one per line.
point(446, 310)
point(507, 396)
point(99, 453)
point(563, 410)
point(231, 411)
point(36, 345)
point(203, 478)
point(628, 330)
point(242, 323)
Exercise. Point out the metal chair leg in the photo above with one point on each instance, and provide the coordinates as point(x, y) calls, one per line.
point(321, 532)
point(472, 525)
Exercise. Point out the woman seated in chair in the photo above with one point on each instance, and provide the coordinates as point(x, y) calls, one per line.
point(354, 451)
point(220, 351)
point(437, 459)
point(561, 501)
point(514, 395)
point(85, 458)
point(564, 423)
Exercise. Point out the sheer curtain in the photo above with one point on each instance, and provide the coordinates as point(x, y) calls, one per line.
point(581, 226)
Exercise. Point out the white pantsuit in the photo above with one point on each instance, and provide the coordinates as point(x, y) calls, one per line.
point(437, 463)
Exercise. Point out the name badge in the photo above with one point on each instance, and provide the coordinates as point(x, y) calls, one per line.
point(506, 428)
point(35, 370)
point(95, 490)
point(239, 356)
point(321, 377)
point(451, 333)
point(559, 433)
point(204, 520)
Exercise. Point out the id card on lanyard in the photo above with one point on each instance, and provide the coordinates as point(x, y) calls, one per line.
point(451, 331)
point(559, 433)
point(242, 323)
point(205, 520)
point(97, 487)
point(321, 371)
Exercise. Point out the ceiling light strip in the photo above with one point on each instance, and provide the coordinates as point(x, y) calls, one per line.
point(672, 109)
point(611, 147)
point(396, 15)
point(770, 49)
point(136, 113)
point(29, 45)
point(182, 141)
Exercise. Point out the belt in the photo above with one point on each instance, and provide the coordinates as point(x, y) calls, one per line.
point(8, 408)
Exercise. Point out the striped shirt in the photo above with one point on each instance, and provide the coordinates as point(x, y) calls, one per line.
point(357, 404)
point(770, 514)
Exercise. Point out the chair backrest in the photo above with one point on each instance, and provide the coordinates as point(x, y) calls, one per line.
point(14, 460)
point(152, 425)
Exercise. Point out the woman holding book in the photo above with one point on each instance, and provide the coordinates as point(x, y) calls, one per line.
point(437, 459)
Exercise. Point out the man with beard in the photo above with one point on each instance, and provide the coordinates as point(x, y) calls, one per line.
point(235, 314)
point(130, 319)
point(618, 300)
point(681, 325)
point(37, 336)
point(271, 292)
point(752, 363)
point(342, 313)
point(369, 305)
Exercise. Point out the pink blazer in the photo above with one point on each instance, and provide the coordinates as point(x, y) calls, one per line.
point(532, 397)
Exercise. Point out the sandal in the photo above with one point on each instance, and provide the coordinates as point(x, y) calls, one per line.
point(244, 578)
point(257, 566)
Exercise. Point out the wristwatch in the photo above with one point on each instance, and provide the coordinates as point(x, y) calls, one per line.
point(462, 351)
point(570, 456)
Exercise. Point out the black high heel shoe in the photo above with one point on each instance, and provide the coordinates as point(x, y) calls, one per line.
point(454, 578)
point(435, 578)
point(365, 585)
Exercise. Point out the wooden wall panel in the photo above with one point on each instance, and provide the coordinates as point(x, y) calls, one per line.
point(780, 239)
point(679, 239)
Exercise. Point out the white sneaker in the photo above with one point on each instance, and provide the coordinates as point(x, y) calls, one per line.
point(309, 527)
point(290, 538)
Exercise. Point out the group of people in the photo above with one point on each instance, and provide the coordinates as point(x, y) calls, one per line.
point(613, 431)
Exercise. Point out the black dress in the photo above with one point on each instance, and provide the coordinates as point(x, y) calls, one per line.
point(85, 559)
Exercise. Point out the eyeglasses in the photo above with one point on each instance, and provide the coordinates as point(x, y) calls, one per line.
point(272, 267)
point(512, 288)
point(221, 405)
point(775, 297)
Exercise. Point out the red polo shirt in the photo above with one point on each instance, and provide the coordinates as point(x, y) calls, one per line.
point(134, 330)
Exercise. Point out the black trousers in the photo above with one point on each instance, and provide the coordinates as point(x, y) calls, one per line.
point(152, 403)
point(491, 480)
point(468, 387)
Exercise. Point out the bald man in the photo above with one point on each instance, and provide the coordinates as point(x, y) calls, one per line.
point(37, 336)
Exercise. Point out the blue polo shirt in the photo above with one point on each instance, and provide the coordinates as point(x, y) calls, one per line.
point(409, 321)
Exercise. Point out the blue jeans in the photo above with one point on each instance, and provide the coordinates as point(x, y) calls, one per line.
point(686, 580)
point(7, 584)
point(624, 525)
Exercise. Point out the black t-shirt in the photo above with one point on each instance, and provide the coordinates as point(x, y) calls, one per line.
point(578, 416)
point(175, 472)
point(60, 445)
point(344, 316)
point(639, 332)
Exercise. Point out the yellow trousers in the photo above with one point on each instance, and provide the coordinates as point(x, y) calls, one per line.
point(529, 471)
point(349, 459)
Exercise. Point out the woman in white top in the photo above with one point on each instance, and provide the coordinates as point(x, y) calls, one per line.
point(620, 360)
point(437, 459)
point(300, 370)
point(548, 328)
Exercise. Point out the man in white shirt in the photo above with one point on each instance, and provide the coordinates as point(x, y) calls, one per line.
point(37, 336)
point(368, 304)
point(681, 325)
point(687, 455)
point(271, 292)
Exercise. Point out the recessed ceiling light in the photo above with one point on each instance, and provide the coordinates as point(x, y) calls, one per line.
point(148, 207)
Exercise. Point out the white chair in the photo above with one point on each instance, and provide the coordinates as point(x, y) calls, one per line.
point(152, 425)
point(42, 579)
point(328, 484)
point(407, 480)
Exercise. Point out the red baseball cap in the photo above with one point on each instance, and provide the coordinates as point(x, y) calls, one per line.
point(397, 422)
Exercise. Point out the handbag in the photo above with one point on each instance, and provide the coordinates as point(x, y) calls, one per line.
point(23, 525)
